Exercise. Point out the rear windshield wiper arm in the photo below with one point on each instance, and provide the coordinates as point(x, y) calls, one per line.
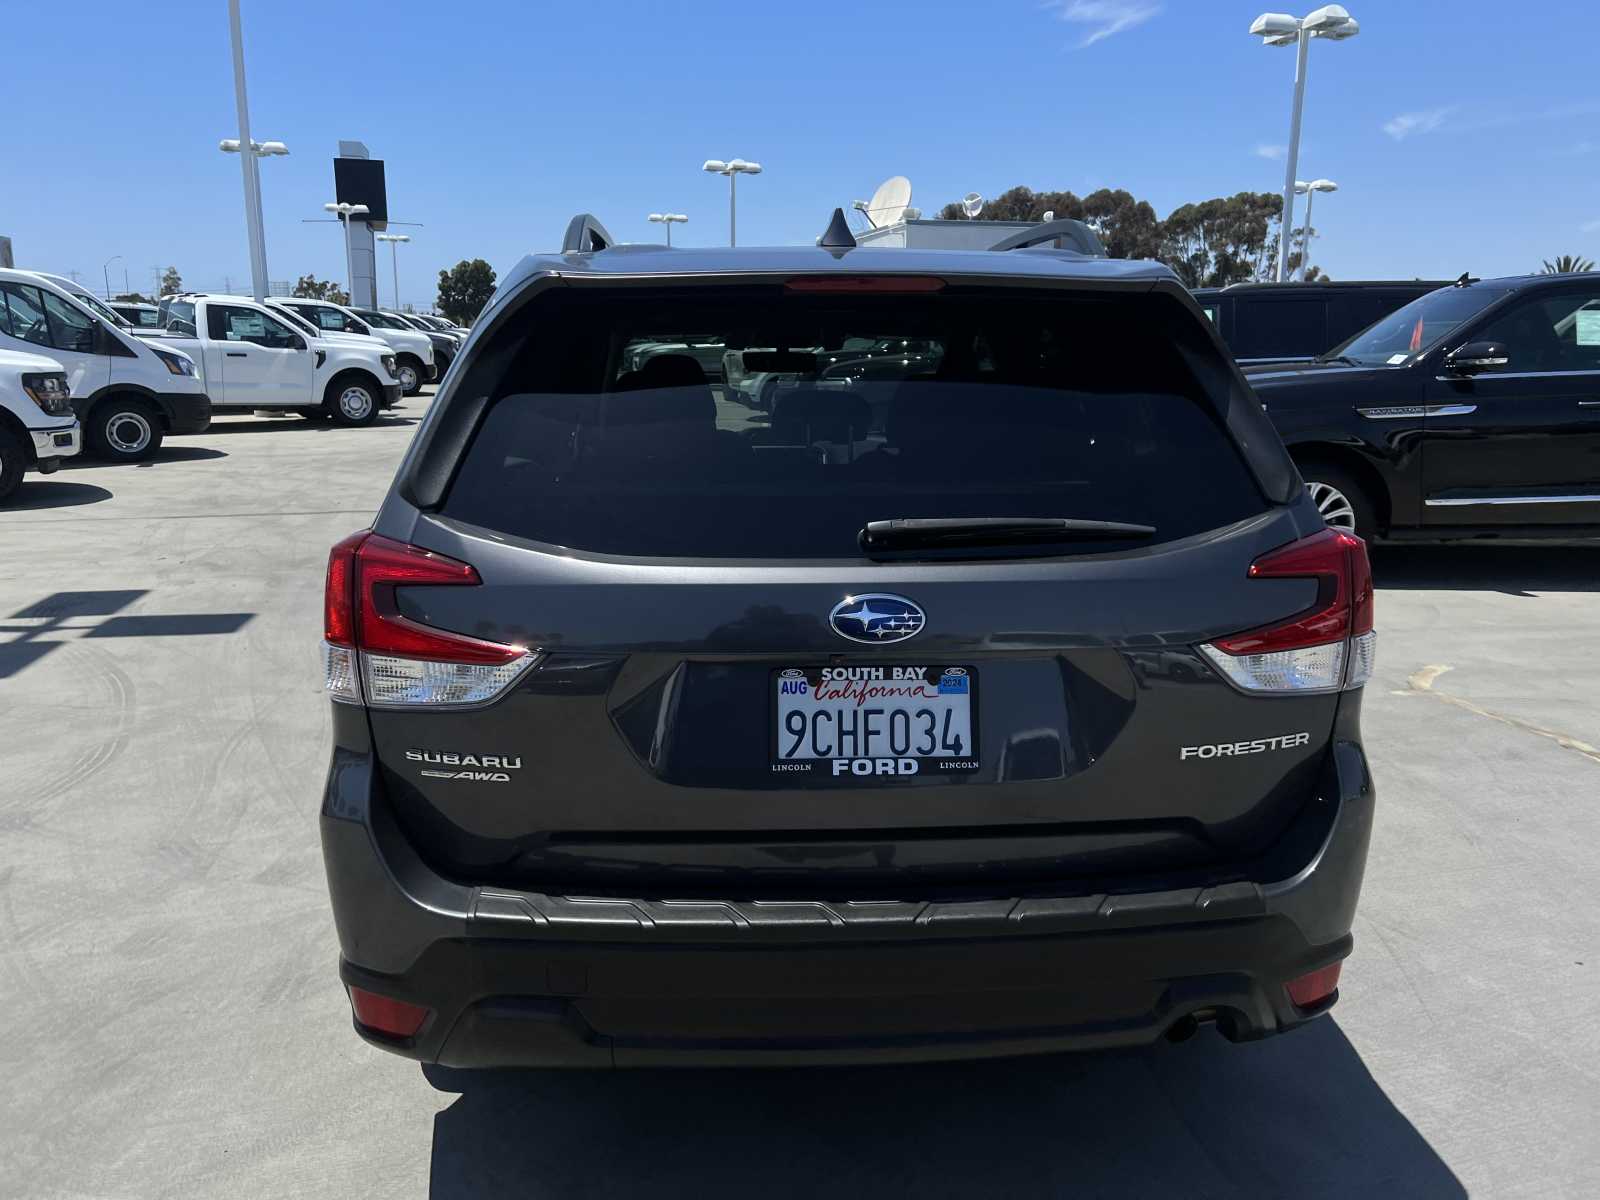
point(907, 533)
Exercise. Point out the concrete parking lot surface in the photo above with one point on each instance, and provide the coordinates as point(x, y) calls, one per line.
point(174, 1025)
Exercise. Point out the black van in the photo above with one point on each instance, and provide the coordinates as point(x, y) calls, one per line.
point(1294, 322)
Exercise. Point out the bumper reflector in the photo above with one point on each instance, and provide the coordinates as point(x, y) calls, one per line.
point(387, 1015)
point(1311, 989)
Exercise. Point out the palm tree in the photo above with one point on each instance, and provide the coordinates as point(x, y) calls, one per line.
point(1568, 264)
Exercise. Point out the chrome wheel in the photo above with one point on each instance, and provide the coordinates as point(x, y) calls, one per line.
point(128, 432)
point(355, 403)
point(1334, 506)
point(408, 378)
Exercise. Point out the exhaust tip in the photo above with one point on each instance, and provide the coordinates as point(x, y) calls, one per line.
point(1184, 1028)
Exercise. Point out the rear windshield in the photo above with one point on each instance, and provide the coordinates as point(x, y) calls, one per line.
point(772, 424)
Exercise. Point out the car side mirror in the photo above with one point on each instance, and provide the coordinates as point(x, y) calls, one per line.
point(1475, 357)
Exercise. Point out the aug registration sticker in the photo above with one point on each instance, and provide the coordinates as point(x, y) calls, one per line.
point(873, 724)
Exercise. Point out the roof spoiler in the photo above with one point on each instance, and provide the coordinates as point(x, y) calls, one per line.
point(585, 235)
point(1065, 234)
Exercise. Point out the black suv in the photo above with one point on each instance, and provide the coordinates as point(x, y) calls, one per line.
point(1006, 706)
point(1472, 412)
point(1294, 322)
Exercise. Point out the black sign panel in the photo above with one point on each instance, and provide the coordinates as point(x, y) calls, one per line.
point(360, 181)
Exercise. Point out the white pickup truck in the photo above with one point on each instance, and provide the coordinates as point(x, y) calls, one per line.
point(37, 425)
point(252, 358)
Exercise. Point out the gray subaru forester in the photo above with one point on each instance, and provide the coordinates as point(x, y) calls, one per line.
point(992, 687)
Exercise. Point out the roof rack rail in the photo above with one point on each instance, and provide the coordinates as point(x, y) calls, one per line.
point(1064, 234)
point(585, 234)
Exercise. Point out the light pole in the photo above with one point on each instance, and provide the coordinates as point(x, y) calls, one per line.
point(668, 219)
point(394, 240)
point(733, 168)
point(1280, 29)
point(345, 212)
point(105, 272)
point(253, 150)
point(1309, 191)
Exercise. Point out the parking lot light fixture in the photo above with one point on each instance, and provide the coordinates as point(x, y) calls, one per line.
point(344, 212)
point(394, 240)
point(1309, 191)
point(1330, 21)
point(733, 168)
point(668, 220)
point(105, 271)
point(254, 150)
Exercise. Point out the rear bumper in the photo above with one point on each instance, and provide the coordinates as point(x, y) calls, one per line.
point(523, 979)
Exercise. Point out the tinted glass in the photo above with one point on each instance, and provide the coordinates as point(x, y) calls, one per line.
point(70, 327)
point(24, 313)
point(1416, 327)
point(1555, 333)
point(379, 319)
point(609, 434)
point(1279, 328)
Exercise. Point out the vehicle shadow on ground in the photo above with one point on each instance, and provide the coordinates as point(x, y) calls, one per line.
point(167, 454)
point(53, 493)
point(1292, 1116)
point(1514, 570)
point(299, 424)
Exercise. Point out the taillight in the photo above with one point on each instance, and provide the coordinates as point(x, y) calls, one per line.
point(1330, 645)
point(376, 654)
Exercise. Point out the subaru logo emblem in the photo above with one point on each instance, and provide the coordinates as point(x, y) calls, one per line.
point(876, 618)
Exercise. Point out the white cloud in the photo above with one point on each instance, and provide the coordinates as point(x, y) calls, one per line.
point(1270, 151)
point(1104, 17)
point(1403, 126)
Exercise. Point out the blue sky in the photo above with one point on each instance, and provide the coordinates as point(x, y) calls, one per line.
point(1462, 139)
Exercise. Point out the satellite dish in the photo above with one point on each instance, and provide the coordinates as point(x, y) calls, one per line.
point(888, 203)
point(972, 205)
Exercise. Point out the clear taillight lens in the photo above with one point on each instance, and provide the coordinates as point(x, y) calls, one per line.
point(1309, 669)
point(1327, 647)
point(376, 655)
point(389, 680)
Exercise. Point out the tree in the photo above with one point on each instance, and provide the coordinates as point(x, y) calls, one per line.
point(1226, 240)
point(171, 282)
point(134, 298)
point(309, 287)
point(464, 289)
point(1213, 243)
point(1567, 264)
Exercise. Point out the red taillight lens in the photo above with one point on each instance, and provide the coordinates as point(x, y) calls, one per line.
point(382, 565)
point(386, 1015)
point(338, 600)
point(865, 283)
point(1315, 986)
point(1338, 560)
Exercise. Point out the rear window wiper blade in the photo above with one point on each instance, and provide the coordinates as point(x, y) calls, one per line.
point(907, 533)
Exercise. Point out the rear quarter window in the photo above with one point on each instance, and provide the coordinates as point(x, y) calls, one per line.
point(616, 430)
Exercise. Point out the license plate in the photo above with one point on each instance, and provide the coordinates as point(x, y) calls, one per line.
point(873, 724)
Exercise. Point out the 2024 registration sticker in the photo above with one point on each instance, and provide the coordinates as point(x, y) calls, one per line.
point(862, 723)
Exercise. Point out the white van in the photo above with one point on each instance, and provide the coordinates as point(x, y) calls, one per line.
point(127, 393)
